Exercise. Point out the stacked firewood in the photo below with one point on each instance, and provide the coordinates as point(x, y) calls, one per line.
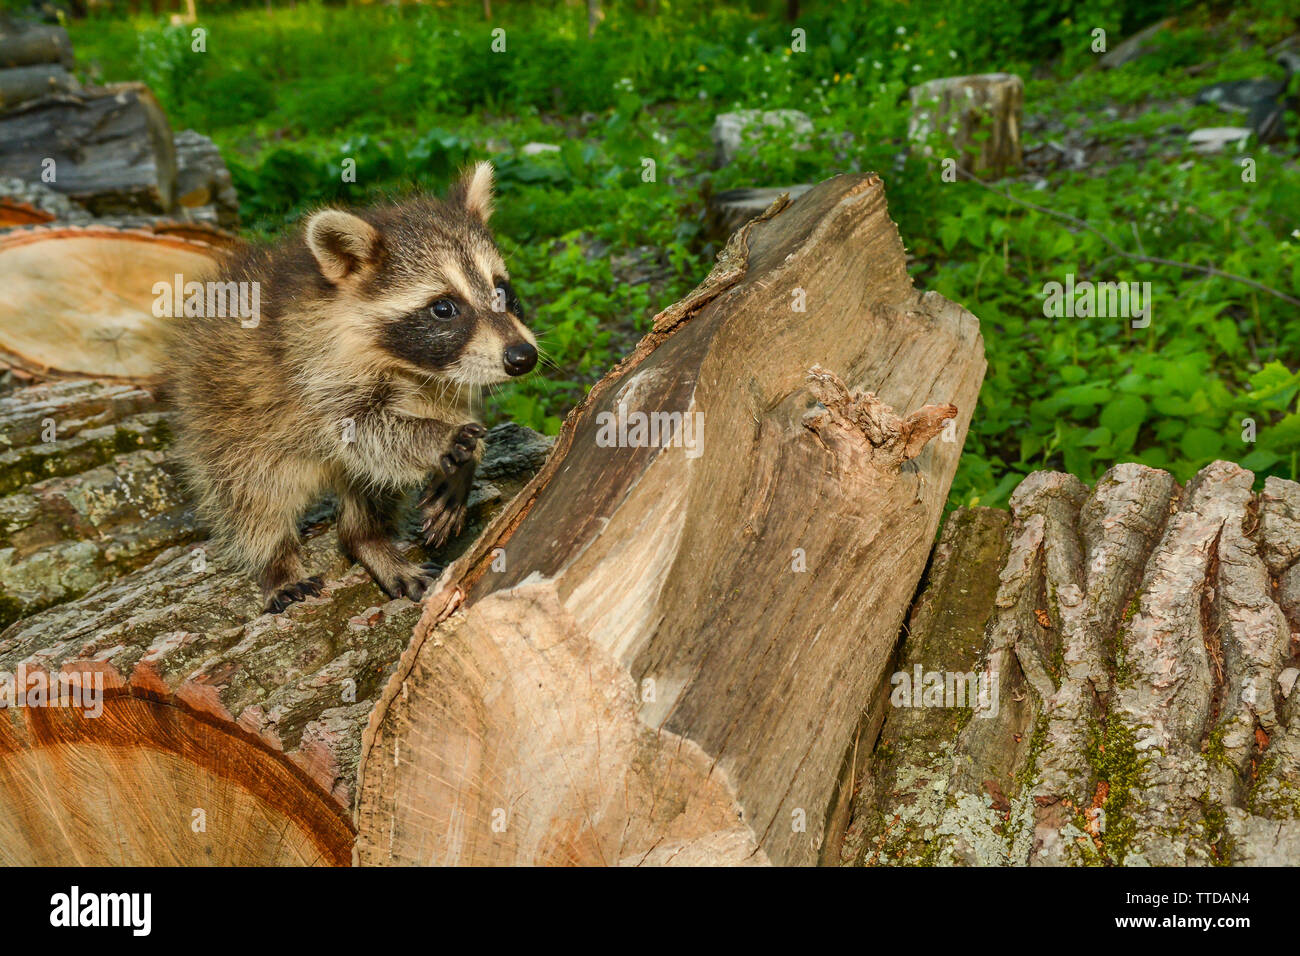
point(108, 149)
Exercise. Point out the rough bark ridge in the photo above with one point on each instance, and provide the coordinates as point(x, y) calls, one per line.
point(1141, 641)
point(659, 654)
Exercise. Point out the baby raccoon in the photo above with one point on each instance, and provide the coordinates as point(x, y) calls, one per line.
point(377, 331)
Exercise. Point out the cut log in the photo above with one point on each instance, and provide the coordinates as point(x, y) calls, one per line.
point(78, 298)
point(660, 651)
point(111, 148)
point(23, 43)
point(974, 120)
point(1140, 644)
point(185, 727)
point(22, 83)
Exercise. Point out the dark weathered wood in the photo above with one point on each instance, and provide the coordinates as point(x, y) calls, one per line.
point(1143, 641)
point(658, 656)
point(23, 43)
point(111, 147)
point(23, 83)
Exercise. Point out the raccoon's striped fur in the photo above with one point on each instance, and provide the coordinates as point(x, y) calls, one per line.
point(362, 374)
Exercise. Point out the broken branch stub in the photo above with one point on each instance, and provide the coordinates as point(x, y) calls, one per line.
point(889, 439)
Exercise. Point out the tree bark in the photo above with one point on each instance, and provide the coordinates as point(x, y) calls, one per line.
point(1141, 641)
point(974, 120)
point(659, 652)
point(223, 735)
point(111, 148)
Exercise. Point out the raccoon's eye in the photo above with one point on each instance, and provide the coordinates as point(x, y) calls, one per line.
point(444, 309)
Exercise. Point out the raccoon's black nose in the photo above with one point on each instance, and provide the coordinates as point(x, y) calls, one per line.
point(520, 359)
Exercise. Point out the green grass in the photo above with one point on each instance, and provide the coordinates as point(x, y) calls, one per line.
point(412, 92)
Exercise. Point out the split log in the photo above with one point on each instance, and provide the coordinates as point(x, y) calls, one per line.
point(79, 298)
point(1140, 641)
point(22, 83)
point(185, 726)
point(660, 654)
point(23, 43)
point(111, 147)
point(974, 120)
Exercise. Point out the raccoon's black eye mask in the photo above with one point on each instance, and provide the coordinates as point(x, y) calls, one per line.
point(505, 295)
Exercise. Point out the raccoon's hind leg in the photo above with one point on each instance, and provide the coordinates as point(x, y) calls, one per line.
point(283, 582)
point(367, 525)
point(263, 533)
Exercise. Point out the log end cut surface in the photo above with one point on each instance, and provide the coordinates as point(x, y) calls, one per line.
point(172, 789)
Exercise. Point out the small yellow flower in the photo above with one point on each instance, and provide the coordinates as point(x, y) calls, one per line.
point(701, 67)
point(837, 78)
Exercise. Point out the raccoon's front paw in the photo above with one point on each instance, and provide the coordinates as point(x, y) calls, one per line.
point(463, 445)
point(444, 507)
point(409, 580)
point(281, 598)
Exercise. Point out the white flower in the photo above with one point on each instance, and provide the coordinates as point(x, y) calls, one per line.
point(952, 54)
point(901, 30)
point(877, 64)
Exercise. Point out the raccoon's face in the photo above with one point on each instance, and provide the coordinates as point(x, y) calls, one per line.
point(426, 280)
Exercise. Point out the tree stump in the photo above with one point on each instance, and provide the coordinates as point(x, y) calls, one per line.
point(660, 651)
point(974, 120)
point(1140, 642)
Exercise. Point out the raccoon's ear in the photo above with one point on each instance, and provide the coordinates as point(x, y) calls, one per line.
point(342, 243)
point(474, 191)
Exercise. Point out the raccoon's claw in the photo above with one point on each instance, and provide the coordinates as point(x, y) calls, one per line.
point(469, 434)
point(411, 581)
point(283, 597)
point(445, 519)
